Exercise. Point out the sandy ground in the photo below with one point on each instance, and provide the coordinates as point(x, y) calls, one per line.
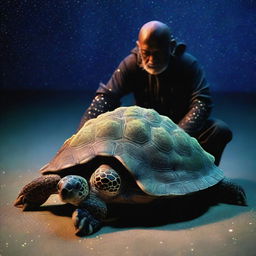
point(33, 128)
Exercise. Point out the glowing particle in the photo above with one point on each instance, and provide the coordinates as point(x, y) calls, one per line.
point(250, 223)
point(6, 244)
point(161, 242)
point(192, 249)
point(234, 240)
point(127, 247)
point(230, 230)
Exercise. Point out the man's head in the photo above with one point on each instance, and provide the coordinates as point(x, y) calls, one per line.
point(155, 46)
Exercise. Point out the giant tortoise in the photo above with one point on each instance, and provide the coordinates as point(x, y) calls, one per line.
point(130, 155)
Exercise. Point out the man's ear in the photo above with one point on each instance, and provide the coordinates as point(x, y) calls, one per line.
point(138, 44)
point(173, 44)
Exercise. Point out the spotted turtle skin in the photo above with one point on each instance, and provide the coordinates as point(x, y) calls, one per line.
point(161, 157)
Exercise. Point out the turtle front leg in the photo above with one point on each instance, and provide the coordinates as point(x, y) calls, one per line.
point(37, 192)
point(91, 210)
point(89, 216)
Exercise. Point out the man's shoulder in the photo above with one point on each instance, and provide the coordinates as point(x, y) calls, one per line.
point(186, 59)
point(130, 62)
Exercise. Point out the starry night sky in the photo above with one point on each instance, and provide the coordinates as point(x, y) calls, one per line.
point(75, 44)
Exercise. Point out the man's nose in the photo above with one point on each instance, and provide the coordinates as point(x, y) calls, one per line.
point(152, 59)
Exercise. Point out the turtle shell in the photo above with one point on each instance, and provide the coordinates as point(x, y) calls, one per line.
point(162, 158)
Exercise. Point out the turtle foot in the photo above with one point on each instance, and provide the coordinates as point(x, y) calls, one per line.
point(85, 223)
point(21, 202)
point(37, 192)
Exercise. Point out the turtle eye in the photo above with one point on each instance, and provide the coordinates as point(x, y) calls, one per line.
point(68, 186)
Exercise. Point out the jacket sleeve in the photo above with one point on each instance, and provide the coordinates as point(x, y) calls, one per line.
point(100, 104)
point(108, 96)
point(200, 101)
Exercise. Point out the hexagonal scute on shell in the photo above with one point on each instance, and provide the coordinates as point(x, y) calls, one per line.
point(161, 139)
point(84, 136)
point(157, 159)
point(133, 111)
point(137, 131)
point(168, 123)
point(109, 129)
point(182, 142)
point(152, 116)
point(119, 112)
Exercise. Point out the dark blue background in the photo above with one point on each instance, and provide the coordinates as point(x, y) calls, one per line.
point(73, 45)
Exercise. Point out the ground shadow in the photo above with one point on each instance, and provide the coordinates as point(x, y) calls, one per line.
point(178, 212)
point(64, 210)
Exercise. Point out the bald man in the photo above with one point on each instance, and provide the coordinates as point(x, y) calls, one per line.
point(162, 76)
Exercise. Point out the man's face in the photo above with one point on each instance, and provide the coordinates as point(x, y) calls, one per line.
point(154, 56)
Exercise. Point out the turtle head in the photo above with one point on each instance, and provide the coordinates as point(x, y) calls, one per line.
point(73, 189)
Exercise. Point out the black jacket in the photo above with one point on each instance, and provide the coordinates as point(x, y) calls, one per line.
point(181, 92)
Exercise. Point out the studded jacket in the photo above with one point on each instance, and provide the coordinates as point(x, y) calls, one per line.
point(181, 92)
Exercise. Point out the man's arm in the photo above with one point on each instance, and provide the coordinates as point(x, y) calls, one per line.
point(108, 96)
point(100, 104)
point(200, 101)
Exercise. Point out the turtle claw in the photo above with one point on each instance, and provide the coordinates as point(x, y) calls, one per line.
point(21, 202)
point(85, 223)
